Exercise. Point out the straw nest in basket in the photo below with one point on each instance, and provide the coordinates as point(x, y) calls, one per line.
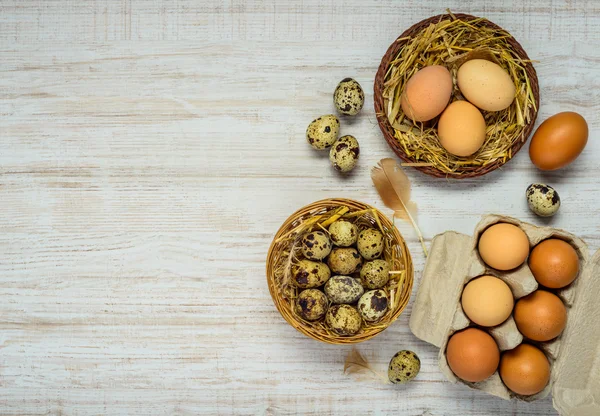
point(451, 40)
point(285, 251)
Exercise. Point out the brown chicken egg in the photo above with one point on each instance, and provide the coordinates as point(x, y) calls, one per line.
point(427, 93)
point(461, 129)
point(540, 316)
point(525, 370)
point(503, 246)
point(487, 301)
point(486, 84)
point(554, 263)
point(558, 141)
point(472, 354)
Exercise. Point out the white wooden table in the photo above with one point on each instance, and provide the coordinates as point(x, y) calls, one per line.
point(149, 151)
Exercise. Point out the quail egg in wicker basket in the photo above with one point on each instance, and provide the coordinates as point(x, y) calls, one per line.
point(370, 243)
point(343, 319)
point(343, 289)
point(311, 304)
point(373, 305)
point(375, 274)
point(343, 233)
point(345, 260)
point(308, 274)
point(316, 245)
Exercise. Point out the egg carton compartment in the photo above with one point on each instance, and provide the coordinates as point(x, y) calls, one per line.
point(437, 314)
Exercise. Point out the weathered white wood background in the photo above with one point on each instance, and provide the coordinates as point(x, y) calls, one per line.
point(151, 148)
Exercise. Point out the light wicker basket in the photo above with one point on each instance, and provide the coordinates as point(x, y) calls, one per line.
point(318, 216)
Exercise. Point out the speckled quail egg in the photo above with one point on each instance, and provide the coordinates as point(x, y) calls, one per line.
point(373, 305)
point(308, 274)
point(404, 366)
point(375, 274)
point(323, 132)
point(349, 97)
point(343, 233)
point(344, 154)
point(343, 319)
point(343, 289)
point(316, 245)
point(344, 261)
point(311, 304)
point(370, 243)
point(542, 199)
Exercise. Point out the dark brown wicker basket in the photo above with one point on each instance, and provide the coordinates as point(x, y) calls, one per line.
point(388, 130)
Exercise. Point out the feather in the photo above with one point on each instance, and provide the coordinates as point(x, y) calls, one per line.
point(393, 187)
point(287, 274)
point(357, 365)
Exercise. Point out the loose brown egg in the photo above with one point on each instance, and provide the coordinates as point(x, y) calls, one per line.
point(558, 141)
point(487, 301)
point(525, 370)
point(427, 93)
point(472, 354)
point(540, 316)
point(461, 129)
point(554, 263)
point(503, 246)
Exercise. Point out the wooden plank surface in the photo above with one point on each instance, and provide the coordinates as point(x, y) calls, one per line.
point(150, 151)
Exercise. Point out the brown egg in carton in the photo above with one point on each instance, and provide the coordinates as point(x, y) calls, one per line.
point(574, 355)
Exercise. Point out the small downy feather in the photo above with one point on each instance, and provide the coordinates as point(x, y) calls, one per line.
point(393, 187)
point(358, 366)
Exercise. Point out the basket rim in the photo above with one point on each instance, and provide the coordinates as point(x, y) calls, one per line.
point(387, 129)
point(405, 292)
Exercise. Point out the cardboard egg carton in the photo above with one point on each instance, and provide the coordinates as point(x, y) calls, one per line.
point(574, 356)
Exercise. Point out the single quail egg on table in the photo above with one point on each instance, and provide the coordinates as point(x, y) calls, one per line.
point(316, 245)
point(344, 154)
point(404, 366)
point(323, 132)
point(373, 305)
point(311, 304)
point(375, 274)
point(349, 97)
point(343, 289)
point(343, 319)
point(542, 199)
point(343, 233)
point(370, 243)
point(307, 274)
point(344, 261)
